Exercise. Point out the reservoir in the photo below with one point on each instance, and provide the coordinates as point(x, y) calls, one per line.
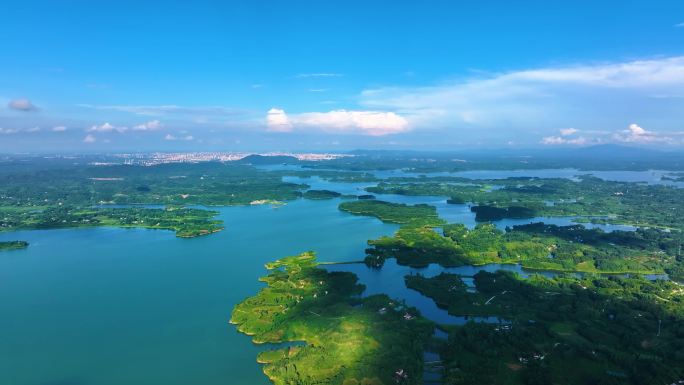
point(109, 306)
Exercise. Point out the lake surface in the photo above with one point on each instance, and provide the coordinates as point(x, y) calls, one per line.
point(108, 306)
point(132, 306)
point(646, 176)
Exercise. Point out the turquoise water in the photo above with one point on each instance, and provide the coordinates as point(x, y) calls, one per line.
point(130, 306)
point(647, 176)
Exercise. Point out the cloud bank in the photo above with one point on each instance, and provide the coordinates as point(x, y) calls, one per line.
point(373, 123)
point(596, 95)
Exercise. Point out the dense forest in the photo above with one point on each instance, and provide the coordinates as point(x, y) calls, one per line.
point(534, 246)
point(563, 330)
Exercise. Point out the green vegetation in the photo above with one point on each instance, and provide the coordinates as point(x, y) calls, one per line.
point(43, 197)
point(321, 194)
point(185, 222)
point(13, 245)
point(347, 340)
point(561, 331)
point(207, 184)
point(535, 246)
point(416, 247)
point(417, 215)
point(599, 200)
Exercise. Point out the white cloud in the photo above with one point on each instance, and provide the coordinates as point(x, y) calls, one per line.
point(21, 105)
point(89, 139)
point(149, 126)
point(277, 121)
point(171, 137)
point(9, 130)
point(634, 134)
point(59, 129)
point(568, 131)
point(106, 127)
point(374, 123)
point(557, 140)
point(637, 134)
point(538, 98)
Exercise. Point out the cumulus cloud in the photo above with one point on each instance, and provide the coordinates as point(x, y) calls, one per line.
point(22, 105)
point(59, 129)
point(149, 126)
point(568, 131)
point(89, 139)
point(277, 121)
point(566, 137)
point(171, 137)
point(637, 134)
point(634, 134)
point(106, 127)
point(374, 123)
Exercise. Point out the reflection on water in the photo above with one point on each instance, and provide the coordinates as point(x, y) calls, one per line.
point(390, 280)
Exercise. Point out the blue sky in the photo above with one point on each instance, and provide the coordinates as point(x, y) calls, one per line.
point(338, 75)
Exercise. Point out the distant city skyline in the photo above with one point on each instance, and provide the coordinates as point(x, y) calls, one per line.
point(339, 75)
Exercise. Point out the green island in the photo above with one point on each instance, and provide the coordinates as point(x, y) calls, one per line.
point(344, 339)
point(560, 330)
point(399, 213)
point(321, 194)
point(186, 222)
point(13, 245)
point(598, 200)
point(535, 246)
